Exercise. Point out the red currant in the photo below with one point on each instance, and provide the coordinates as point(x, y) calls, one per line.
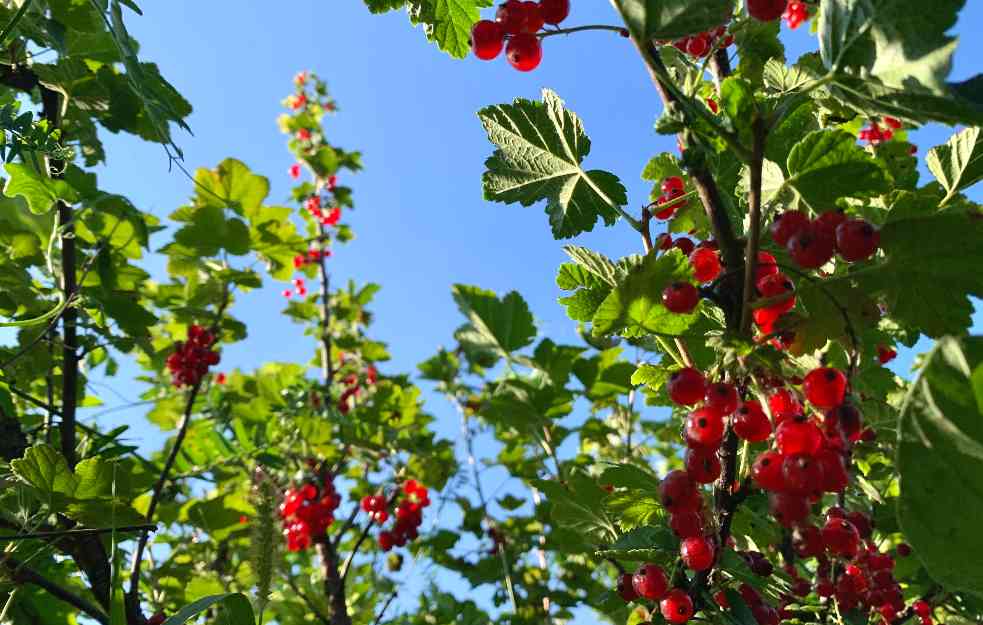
point(706, 264)
point(802, 474)
point(686, 387)
point(751, 423)
point(554, 11)
point(697, 553)
point(685, 245)
point(767, 471)
point(776, 285)
point(702, 465)
point(680, 297)
point(788, 509)
point(705, 427)
point(766, 10)
point(487, 39)
point(798, 436)
point(626, 588)
point(841, 537)
point(807, 541)
point(835, 477)
point(886, 354)
point(524, 52)
point(784, 405)
point(825, 387)
point(788, 224)
point(857, 240)
point(844, 420)
point(687, 523)
point(676, 607)
point(811, 248)
point(679, 492)
point(921, 608)
point(767, 265)
point(650, 582)
point(722, 397)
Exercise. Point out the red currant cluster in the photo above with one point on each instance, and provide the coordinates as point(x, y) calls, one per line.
point(650, 582)
point(886, 354)
point(701, 44)
point(353, 389)
point(191, 359)
point(795, 12)
point(409, 515)
point(518, 21)
point(875, 134)
point(313, 255)
point(668, 203)
point(307, 513)
point(682, 297)
point(314, 208)
point(812, 243)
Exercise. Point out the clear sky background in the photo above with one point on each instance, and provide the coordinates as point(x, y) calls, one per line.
point(421, 222)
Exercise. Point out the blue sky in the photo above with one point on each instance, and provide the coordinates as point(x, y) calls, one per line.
point(421, 222)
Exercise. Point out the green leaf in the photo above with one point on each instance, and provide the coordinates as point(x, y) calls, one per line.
point(737, 103)
point(757, 45)
point(635, 305)
point(672, 19)
point(940, 459)
point(209, 232)
point(828, 164)
point(452, 24)
point(540, 150)
point(958, 164)
point(231, 185)
point(44, 468)
point(236, 610)
point(578, 506)
point(652, 376)
point(643, 544)
point(505, 322)
point(40, 191)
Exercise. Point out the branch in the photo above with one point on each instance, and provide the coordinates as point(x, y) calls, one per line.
point(334, 585)
point(754, 233)
point(378, 618)
point(24, 575)
point(158, 492)
point(646, 229)
point(80, 532)
point(327, 366)
point(307, 600)
point(621, 30)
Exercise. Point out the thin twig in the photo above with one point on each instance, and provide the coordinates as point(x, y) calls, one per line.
point(307, 600)
point(378, 618)
point(24, 575)
point(754, 232)
point(80, 532)
point(576, 29)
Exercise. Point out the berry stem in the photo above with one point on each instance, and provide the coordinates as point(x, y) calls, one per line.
point(327, 366)
point(754, 232)
point(646, 229)
point(577, 29)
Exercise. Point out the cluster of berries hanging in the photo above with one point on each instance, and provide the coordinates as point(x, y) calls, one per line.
point(308, 511)
point(876, 134)
point(650, 582)
point(807, 459)
point(408, 514)
point(353, 384)
point(518, 22)
point(191, 359)
point(794, 12)
point(308, 103)
point(701, 44)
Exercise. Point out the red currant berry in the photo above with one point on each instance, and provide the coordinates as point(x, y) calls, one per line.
point(787, 225)
point(705, 427)
point(626, 588)
point(807, 541)
point(862, 522)
point(685, 245)
point(702, 465)
point(857, 240)
point(798, 436)
point(524, 52)
point(686, 387)
point(904, 550)
point(487, 39)
point(788, 509)
point(886, 354)
point(829, 221)
point(680, 297)
point(766, 10)
point(650, 582)
point(532, 17)
point(697, 553)
point(722, 397)
point(841, 537)
point(751, 423)
point(554, 11)
point(676, 607)
point(767, 266)
point(802, 474)
point(686, 523)
point(673, 184)
point(777, 285)
point(835, 477)
point(767, 471)
point(678, 492)
point(795, 13)
point(921, 608)
point(844, 420)
point(510, 16)
point(720, 597)
point(749, 594)
point(825, 387)
point(784, 405)
point(811, 247)
point(157, 619)
point(698, 45)
point(706, 264)
point(892, 122)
